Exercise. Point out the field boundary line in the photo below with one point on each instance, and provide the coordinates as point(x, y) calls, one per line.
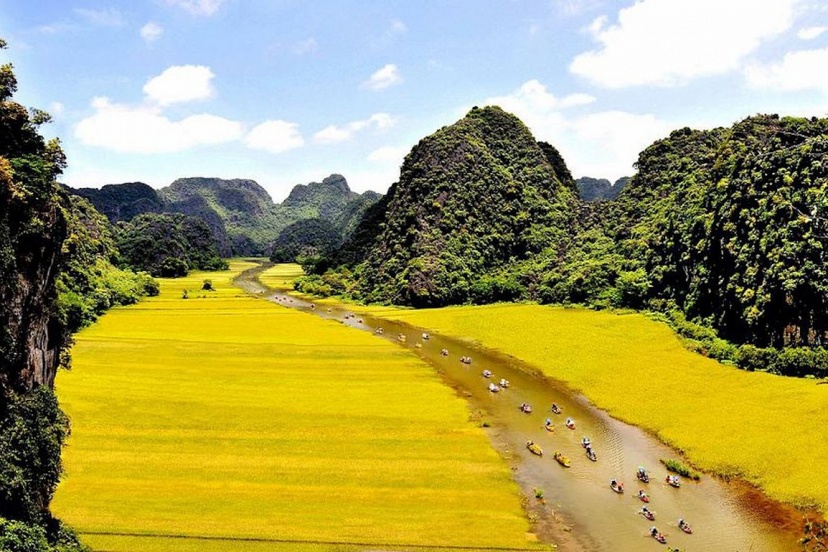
point(303, 541)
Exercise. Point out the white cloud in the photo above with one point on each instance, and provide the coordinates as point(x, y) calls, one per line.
point(198, 7)
point(151, 32)
point(389, 155)
point(606, 144)
point(669, 42)
point(56, 109)
point(532, 97)
point(397, 28)
point(307, 46)
point(54, 28)
point(129, 129)
point(180, 83)
point(386, 76)
point(275, 137)
point(107, 17)
point(600, 144)
point(801, 70)
point(811, 33)
point(576, 7)
point(333, 134)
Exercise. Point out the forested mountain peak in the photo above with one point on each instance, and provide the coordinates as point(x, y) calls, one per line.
point(471, 197)
point(123, 201)
point(334, 186)
point(233, 195)
point(597, 189)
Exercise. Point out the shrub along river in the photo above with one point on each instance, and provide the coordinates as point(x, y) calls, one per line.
point(578, 510)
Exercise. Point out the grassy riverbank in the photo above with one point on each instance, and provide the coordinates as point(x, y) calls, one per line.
point(767, 429)
point(223, 422)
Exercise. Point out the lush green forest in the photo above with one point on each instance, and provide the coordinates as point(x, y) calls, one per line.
point(91, 281)
point(167, 245)
point(472, 198)
point(305, 241)
point(721, 233)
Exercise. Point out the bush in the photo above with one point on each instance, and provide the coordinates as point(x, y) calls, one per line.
point(753, 358)
point(800, 361)
point(32, 431)
point(492, 289)
point(19, 537)
point(16, 536)
point(172, 267)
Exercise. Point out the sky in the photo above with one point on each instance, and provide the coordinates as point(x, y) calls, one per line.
point(289, 91)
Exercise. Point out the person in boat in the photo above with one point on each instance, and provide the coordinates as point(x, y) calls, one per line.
point(645, 509)
point(613, 483)
point(641, 493)
point(548, 422)
point(653, 531)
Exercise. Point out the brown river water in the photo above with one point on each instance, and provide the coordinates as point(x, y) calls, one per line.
point(579, 511)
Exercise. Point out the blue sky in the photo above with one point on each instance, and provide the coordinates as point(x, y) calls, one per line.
point(289, 91)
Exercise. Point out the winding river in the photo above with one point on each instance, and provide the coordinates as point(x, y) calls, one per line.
point(579, 511)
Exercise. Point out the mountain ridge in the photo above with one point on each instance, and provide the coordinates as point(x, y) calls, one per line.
point(241, 214)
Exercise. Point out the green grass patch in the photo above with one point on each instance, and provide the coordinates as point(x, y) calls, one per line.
point(677, 467)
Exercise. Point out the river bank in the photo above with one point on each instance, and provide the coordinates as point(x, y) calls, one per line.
point(633, 444)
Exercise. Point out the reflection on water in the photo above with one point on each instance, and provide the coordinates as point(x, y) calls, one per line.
point(724, 516)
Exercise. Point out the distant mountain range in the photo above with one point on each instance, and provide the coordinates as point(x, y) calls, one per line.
point(598, 189)
point(241, 214)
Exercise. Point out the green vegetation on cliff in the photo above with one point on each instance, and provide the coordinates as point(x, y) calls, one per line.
point(723, 232)
point(306, 239)
point(33, 227)
point(472, 198)
point(167, 245)
point(90, 282)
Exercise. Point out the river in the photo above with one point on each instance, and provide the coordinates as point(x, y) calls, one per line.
point(579, 511)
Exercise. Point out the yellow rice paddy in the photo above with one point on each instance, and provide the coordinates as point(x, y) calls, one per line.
point(197, 422)
point(768, 429)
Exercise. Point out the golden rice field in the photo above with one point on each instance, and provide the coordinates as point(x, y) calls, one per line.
point(768, 429)
point(225, 422)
